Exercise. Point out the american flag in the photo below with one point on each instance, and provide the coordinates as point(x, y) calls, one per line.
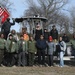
point(4, 14)
point(1, 11)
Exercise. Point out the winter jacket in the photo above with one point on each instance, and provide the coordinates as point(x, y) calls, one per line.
point(72, 42)
point(2, 43)
point(6, 26)
point(46, 35)
point(62, 45)
point(15, 36)
point(11, 46)
point(51, 48)
point(22, 45)
point(26, 37)
point(65, 39)
point(54, 34)
point(32, 46)
point(41, 44)
point(38, 33)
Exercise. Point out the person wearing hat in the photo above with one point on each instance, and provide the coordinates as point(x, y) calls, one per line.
point(54, 33)
point(51, 50)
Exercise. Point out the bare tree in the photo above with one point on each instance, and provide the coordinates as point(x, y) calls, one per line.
point(6, 3)
point(46, 8)
point(63, 21)
point(72, 11)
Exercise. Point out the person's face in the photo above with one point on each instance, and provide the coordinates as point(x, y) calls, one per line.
point(65, 35)
point(13, 32)
point(2, 35)
point(45, 30)
point(41, 37)
point(74, 36)
point(10, 37)
point(21, 38)
point(54, 28)
point(60, 38)
point(31, 38)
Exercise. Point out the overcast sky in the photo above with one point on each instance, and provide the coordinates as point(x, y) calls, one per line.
point(19, 6)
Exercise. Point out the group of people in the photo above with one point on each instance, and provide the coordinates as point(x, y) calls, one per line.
point(21, 50)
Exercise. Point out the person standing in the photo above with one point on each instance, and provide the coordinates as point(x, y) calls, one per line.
point(46, 34)
point(65, 38)
point(31, 50)
point(51, 50)
point(22, 50)
point(5, 29)
point(15, 36)
point(41, 47)
point(11, 48)
point(38, 32)
point(2, 47)
point(62, 45)
point(72, 42)
point(54, 33)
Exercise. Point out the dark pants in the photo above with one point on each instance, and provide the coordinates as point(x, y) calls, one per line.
point(50, 60)
point(31, 59)
point(1, 55)
point(41, 60)
point(6, 34)
point(21, 59)
point(10, 59)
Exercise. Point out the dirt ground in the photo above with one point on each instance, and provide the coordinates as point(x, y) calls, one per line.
point(37, 70)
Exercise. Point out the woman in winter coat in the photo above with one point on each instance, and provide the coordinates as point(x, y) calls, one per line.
point(62, 45)
point(51, 50)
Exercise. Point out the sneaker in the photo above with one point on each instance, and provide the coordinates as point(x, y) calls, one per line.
point(46, 65)
point(40, 65)
point(14, 66)
point(2, 65)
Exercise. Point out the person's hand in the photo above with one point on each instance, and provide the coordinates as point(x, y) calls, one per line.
point(35, 52)
point(13, 19)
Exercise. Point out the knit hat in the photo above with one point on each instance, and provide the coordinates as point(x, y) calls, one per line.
point(50, 38)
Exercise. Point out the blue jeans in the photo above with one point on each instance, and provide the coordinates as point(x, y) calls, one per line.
point(61, 58)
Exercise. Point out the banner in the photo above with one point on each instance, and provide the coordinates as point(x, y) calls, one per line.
point(4, 14)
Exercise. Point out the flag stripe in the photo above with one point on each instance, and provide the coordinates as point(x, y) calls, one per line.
point(1, 11)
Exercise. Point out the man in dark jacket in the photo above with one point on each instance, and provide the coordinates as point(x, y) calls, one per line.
point(54, 33)
point(6, 27)
point(41, 46)
point(65, 38)
point(46, 34)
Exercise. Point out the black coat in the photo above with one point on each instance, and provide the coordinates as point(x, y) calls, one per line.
point(54, 34)
point(65, 39)
point(41, 44)
point(38, 33)
point(6, 26)
point(46, 35)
